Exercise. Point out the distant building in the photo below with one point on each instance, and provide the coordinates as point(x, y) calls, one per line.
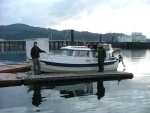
point(124, 38)
point(138, 37)
point(1, 40)
point(134, 37)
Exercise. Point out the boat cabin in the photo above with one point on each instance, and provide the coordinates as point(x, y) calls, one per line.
point(76, 51)
point(107, 47)
point(84, 51)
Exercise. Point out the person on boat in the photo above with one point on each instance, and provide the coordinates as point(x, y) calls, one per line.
point(95, 46)
point(35, 50)
point(101, 57)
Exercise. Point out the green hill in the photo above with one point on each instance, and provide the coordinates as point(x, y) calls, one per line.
point(23, 31)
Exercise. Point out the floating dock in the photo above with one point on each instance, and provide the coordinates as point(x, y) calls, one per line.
point(13, 68)
point(27, 78)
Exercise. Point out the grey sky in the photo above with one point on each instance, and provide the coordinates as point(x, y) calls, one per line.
point(99, 16)
point(43, 12)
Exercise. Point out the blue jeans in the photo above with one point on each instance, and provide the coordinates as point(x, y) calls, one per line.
point(36, 66)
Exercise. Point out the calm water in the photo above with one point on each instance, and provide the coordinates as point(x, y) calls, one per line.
point(12, 57)
point(126, 96)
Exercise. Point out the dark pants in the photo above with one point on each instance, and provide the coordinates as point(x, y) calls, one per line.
point(101, 64)
point(36, 66)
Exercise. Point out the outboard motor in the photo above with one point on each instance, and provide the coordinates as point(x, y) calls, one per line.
point(120, 59)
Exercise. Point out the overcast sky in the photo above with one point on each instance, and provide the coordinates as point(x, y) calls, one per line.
point(97, 16)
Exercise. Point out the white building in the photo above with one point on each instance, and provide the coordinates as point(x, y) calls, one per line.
point(43, 43)
point(134, 37)
point(124, 38)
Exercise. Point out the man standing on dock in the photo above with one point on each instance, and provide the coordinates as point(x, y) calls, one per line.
point(35, 50)
point(101, 57)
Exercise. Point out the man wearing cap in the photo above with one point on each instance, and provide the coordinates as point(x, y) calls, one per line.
point(35, 50)
point(101, 57)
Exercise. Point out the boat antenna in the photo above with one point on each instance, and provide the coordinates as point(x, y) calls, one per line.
point(65, 37)
point(51, 39)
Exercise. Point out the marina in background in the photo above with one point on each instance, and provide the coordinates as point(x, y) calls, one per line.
point(20, 45)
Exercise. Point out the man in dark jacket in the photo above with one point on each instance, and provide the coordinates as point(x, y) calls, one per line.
point(35, 50)
point(101, 57)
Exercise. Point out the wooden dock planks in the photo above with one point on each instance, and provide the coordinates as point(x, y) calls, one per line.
point(9, 79)
point(4, 76)
point(15, 68)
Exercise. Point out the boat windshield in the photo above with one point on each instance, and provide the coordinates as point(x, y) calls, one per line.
point(81, 53)
point(75, 53)
point(106, 47)
point(66, 52)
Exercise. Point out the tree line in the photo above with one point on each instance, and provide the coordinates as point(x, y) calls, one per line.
point(23, 31)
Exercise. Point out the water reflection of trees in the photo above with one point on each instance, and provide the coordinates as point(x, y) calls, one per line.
point(67, 90)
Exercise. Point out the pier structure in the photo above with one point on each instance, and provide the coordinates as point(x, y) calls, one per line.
point(131, 45)
point(20, 45)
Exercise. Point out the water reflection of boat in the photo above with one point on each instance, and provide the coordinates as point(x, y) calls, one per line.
point(74, 90)
point(68, 90)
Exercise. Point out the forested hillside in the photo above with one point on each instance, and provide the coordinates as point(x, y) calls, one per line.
point(22, 31)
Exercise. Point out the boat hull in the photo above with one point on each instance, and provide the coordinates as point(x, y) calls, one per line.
point(48, 66)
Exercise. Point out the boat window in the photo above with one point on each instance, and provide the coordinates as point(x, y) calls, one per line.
point(64, 52)
point(106, 47)
point(77, 53)
point(67, 52)
point(87, 54)
point(95, 54)
point(70, 53)
point(81, 53)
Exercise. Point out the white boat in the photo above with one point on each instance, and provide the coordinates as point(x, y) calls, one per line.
point(71, 58)
point(76, 59)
